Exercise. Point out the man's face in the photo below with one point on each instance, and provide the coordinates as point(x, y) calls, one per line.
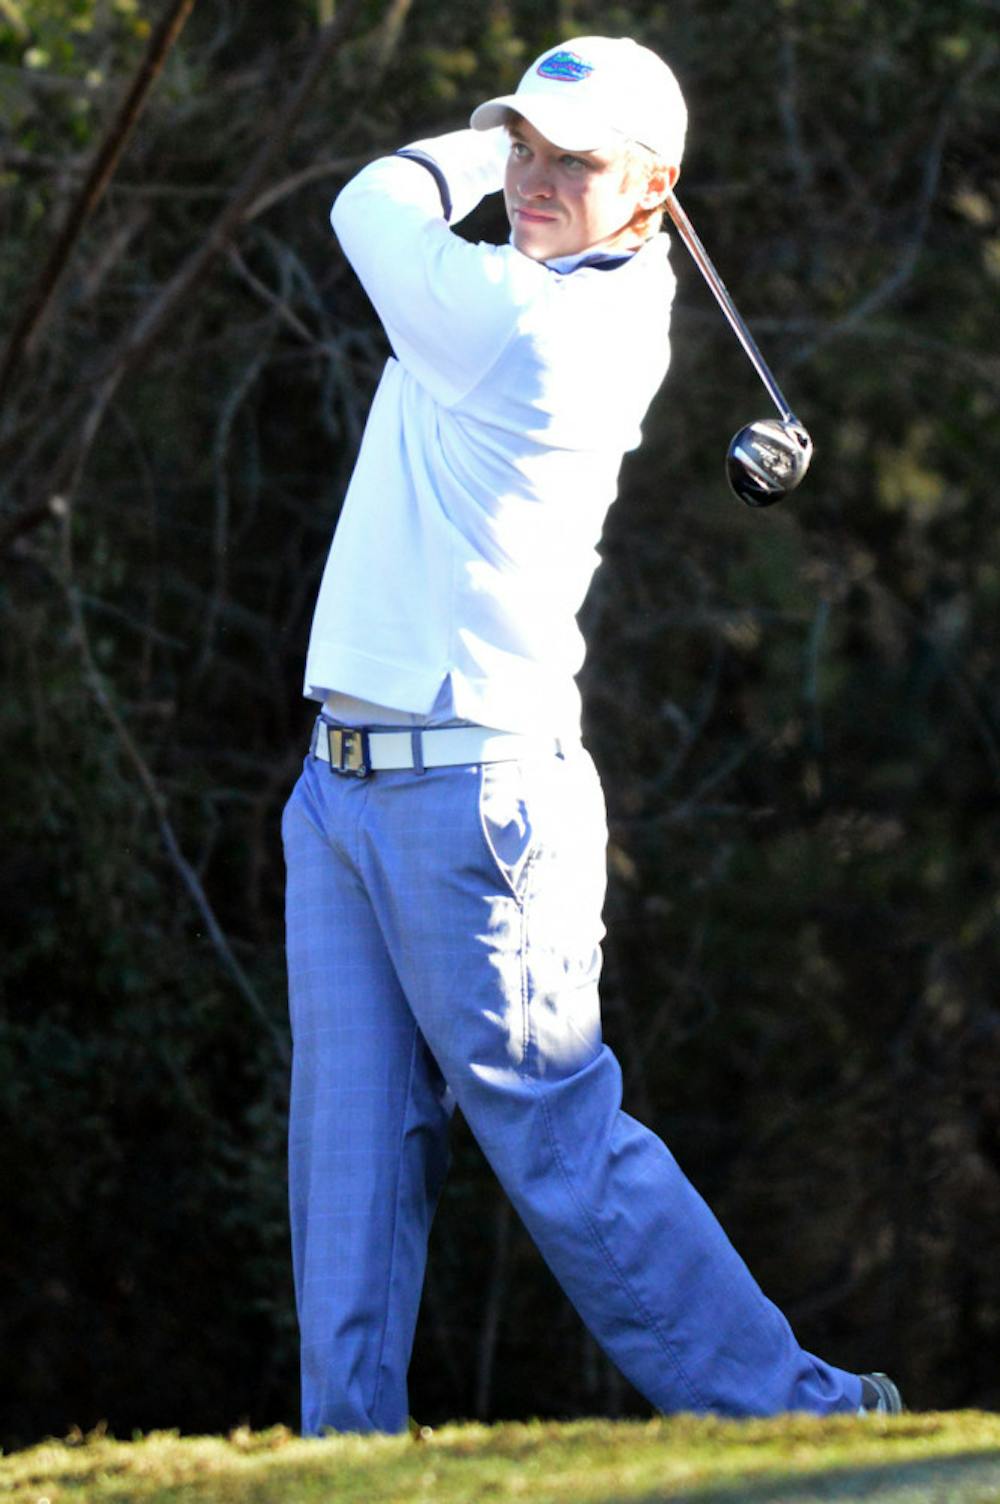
point(560, 202)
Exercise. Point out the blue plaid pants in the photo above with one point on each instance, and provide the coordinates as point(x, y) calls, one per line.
point(443, 933)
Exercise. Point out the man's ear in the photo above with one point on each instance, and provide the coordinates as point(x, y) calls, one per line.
point(659, 183)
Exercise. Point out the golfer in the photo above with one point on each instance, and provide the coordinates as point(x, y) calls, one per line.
point(446, 840)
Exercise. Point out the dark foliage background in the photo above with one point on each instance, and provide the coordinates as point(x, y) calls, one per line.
point(795, 713)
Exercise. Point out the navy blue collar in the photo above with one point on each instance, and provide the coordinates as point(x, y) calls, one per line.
point(604, 261)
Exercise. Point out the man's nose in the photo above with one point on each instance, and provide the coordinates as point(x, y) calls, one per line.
point(535, 181)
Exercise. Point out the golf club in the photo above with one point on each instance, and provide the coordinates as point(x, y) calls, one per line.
point(768, 458)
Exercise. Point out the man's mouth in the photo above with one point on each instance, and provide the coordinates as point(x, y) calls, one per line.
point(534, 218)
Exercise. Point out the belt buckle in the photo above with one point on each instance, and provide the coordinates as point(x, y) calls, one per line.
point(348, 750)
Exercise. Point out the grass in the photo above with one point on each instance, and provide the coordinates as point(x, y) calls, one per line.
point(913, 1459)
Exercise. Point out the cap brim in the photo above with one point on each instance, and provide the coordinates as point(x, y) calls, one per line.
point(559, 120)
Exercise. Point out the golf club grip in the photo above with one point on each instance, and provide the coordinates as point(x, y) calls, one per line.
point(690, 237)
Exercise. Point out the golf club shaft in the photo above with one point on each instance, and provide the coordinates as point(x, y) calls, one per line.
point(690, 238)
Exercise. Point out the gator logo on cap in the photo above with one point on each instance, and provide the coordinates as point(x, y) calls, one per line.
point(567, 67)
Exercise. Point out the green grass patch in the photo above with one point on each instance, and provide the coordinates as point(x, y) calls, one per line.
point(913, 1459)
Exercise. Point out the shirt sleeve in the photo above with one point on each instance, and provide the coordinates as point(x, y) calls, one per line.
point(448, 307)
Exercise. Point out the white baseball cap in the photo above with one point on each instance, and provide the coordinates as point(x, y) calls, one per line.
point(591, 92)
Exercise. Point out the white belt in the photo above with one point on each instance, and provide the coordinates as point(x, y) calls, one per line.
point(359, 751)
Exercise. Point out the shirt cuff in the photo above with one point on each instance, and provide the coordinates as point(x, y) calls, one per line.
point(466, 165)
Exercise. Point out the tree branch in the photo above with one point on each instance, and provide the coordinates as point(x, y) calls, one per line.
point(136, 344)
point(155, 797)
point(90, 195)
point(139, 339)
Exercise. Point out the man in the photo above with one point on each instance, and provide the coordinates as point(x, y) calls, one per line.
point(446, 842)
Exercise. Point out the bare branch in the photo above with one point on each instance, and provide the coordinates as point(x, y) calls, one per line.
point(897, 279)
point(273, 301)
point(90, 195)
point(154, 795)
point(139, 339)
point(230, 408)
point(331, 167)
point(788, 107)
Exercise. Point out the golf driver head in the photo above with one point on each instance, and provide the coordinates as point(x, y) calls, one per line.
point(767, 459)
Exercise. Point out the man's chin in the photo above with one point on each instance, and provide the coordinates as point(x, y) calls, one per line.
point(532, 241)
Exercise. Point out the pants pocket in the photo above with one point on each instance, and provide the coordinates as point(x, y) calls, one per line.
point(506, 822)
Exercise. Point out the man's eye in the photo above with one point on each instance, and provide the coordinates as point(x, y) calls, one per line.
point(518, 149)
point(573, 162)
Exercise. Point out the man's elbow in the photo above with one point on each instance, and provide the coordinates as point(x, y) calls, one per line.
point(342, 209)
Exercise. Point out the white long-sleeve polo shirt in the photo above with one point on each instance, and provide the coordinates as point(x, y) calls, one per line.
point(491, 454)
